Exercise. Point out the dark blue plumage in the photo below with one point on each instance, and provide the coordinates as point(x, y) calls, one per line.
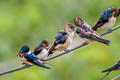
point(59, 39)
point(30, 57)
point(84, 31)
point(38, 50)
point(113, 68)
point(63, 40)
point(33, 59)
point(27, 57)
point(107, 19)
point(24, 49)
point(106, 15)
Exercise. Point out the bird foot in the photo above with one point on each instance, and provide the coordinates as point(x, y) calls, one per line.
point(25, 64)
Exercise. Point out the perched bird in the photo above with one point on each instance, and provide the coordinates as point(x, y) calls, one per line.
point(63, 40)
point(113, 68)
point(107, 19)
point(84, 31)
point(42, 50)
point(28, 58)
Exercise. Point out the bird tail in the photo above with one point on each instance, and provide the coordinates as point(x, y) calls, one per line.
point(104, 41)
point(36, 62)
point(105, 70)
point(95, 28)
point(50, 52)
point(106, 74)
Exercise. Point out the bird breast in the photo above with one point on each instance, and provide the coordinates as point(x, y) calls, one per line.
point(43, 54)
point(110, 23)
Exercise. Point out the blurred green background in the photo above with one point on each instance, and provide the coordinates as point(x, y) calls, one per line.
point(27, 22)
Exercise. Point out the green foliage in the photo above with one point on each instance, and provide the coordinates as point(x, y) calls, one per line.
point(27, 22)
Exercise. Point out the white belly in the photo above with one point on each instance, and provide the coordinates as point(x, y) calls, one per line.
point(24, 60)
point(43, 54)
point(110, 23)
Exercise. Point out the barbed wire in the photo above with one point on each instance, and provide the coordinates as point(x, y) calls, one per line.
point(58, 55)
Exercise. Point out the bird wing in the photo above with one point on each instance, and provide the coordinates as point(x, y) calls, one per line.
point(38, 50)
point(90, 34)
point(36, 62)
point(103, 19)
point(116, 66)
point(109, 70)
point(81, 33)
point(60, 39)
point(33, 59)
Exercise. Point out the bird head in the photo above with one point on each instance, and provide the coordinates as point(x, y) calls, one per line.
point(69, 28)
point(45, 44)
point(78, 21)
point(24, 49)
point(116, 12)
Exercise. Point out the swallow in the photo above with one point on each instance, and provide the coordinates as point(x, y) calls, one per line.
point(111, 69)
point(87, 33)
point(42, 50)
point(63, 40)
point(27, 57)
point(107, 19)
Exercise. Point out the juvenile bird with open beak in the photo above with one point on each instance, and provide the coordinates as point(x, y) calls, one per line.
point(27, 57)
point(107, 19)
point(42, 50)
point(111, 69)
point(84, 31)
point(63, 40)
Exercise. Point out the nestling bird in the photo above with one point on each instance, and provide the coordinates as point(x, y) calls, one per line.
point(42, 50)
point(111, 69)
point(63, 40)
point(107, 19)
point(84, 31)
point(28, 58)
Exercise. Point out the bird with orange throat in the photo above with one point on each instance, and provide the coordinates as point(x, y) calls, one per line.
point(63, 40)
point(85, 32)
point(28, 58)
point(107, 19)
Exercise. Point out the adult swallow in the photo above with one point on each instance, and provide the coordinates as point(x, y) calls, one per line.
point(112, 69)
point(42, 50)
point(63, 40)
point(28, 58)
point(107, 19)
point(84, 31)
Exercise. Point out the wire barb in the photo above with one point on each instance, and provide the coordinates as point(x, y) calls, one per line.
point(58, 55)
